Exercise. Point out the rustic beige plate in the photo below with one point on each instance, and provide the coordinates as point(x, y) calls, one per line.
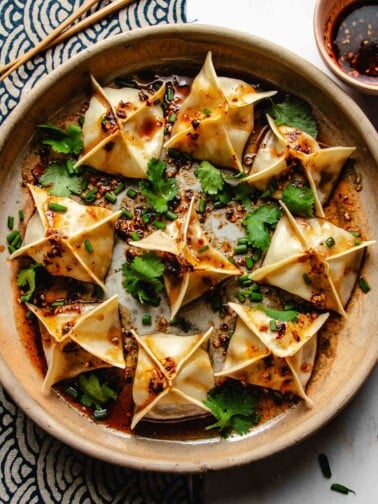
point(339, 374)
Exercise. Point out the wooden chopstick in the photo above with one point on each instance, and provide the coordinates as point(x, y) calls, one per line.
point(61, 33)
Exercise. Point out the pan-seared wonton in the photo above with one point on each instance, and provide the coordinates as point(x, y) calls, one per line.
point(313, 259)
point(281, 145)
point(280, 358)
point(216, 119)
point(172, 378)
point(57, 238)
point(80, 337)
point(199, 265)
point(123, 129)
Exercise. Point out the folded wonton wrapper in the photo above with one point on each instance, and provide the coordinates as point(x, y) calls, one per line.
point(80, 338)
point(172, 378)
point(299, 261)
point(56, 240)
point(216, 119)
point(122, 131)
point(203, 266)
point(321, 167)
point(280, 360)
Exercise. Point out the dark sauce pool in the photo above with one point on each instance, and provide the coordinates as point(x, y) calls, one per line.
point(355, 41)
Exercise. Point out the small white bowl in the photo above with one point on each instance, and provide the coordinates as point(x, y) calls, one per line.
point(325, 14)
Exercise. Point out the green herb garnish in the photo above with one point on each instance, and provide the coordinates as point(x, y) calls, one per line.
point(299, 200)
point(69, 141)
point(324, 465)
point(234, 406)
point(58, 181)
point(159, 189)
point(281, 315)
point(295, 113)
point(258, 223)
point(210, 177)
point(337, 487)
point(142, 277)
point(26, 279)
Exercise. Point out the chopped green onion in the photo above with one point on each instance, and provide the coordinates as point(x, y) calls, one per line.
point(10, 222)
point(159, 224)
point(21, 215)
point(243, 241)
point(206, 112)
point(330, 242)
point(146, 319)
point(100, 414)
point(365, 287)
point(171, 215)
point(55, 304)
point(12, 236)
point(249, 262)
point(29, 314)
point(84, 184)
point(172, 118)
point(120, 187)
point(324, 465)
point(72, 392)
point(307, 279)
point(170, 94)
point(203, 248)
point(88, 246)
point(86, 400)
point(240, 249)
point(134, 235)
point(341, 489)
point(126, 213)
point(202, 205)
point(289, 306)
point(56, 207)
point(130, 193)
point(356, 234)
point(146, 218)
point(112, 198)
point(256, 296)
point(357, 242)
point(241, 297)
point(70, 167)
point(273, 325)
point(90, 197)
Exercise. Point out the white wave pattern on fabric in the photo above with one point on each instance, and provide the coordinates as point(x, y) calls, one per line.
point(34, 467)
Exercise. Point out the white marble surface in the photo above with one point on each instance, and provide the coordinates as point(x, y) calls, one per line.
point(351, 440)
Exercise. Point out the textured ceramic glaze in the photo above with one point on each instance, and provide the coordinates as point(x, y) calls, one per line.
point(342, 123)
point(325, 14)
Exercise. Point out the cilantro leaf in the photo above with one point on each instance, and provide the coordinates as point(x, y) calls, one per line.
point(257, 224)
point(243, 193)
point(58, 181)
point(281, 315)
point(296, 113)
point(142, 277)
point(98, 393)
point(210, 177)
point(159, 189)
point(234, 406)
point(26, 279)
point(299, 200)
point(69, 141)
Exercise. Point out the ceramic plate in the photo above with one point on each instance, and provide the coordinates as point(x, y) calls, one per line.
point(341, 369)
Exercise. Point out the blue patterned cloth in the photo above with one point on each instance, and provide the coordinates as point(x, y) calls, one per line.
point(34, 467)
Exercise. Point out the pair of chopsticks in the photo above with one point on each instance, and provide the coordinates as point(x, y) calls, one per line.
point(62, 32)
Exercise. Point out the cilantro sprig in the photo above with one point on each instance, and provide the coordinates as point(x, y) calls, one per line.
point(27, 280)
point(142, 277)
point(234, 406)
point(296, 113)
point(299, 200)
point(58, 181)
point(159, 188)
point(211, 178)
point(68, 141)
point(258, 223)
point(95, 394)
